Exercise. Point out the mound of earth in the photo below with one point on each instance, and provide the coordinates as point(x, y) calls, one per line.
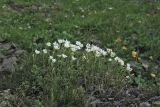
point(129, 97)
point(9, 55)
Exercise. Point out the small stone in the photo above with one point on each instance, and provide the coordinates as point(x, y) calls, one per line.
point(110, 99)
point(13, 46)
point(19, 52)
point(5, 46)
point(145, 64)
point(8, 65)
point(96, 103)
point(145, 104)
point(34, 7)
point(2, 40)
point(1, 57)
point(156, 104)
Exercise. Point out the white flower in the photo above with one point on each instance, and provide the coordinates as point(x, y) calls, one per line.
point(110, 8)
point(51, 57)
point(56, 45)
point(79, 44)
point(104, 53)
point(59, 55)
point(129, 67)
point(37, 51)
point(61, 41)
point(109, 50)
point(94, 48)
point(82, 16)
point(64, 56)
point(98, 54)
point(74, 47)
point(88, 50)
point(88, 45)
point(53, 60)
point(139, 21)
point(48, 44)
point(109, 59)
point(73, 58)
point(127, 77)
point(84, 57)
point(45, 51)
point(119, 60)
point(67, 44)
point(116, 59)
point(113, 54)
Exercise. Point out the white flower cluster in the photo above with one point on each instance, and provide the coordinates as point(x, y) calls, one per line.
point(52, 59)
point(48, 44)
point(45, 51)
point(98, 51)
point(129, 67)
point(37, 51)
point(62, 55)
point(56, 45)
point(119, 60)
point(61, 44)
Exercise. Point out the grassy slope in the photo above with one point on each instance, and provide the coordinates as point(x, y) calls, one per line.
point(99, 23)
point(133, 23)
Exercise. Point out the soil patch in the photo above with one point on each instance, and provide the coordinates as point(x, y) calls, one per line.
point(9, 55)
point(129, 97)
point(24, 7)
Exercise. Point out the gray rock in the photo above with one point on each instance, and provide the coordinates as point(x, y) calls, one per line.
point(2, 40)
point(145, 64)
point(5, 46)
point(145, 104)
point(1, 57)
point(96, 103)
point(9, 55)
point(8, 65)
point(19, 52)
point(156, 104)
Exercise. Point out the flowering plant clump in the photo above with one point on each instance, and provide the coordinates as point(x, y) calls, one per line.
point(58, 49)
point(66, 70)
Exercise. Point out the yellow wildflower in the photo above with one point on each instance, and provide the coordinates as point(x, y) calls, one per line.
point(134, 54)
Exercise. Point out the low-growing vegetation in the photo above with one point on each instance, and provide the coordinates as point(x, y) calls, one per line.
point(79, 53)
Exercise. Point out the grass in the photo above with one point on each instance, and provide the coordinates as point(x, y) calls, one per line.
point(102, 24)
point(116, 24)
